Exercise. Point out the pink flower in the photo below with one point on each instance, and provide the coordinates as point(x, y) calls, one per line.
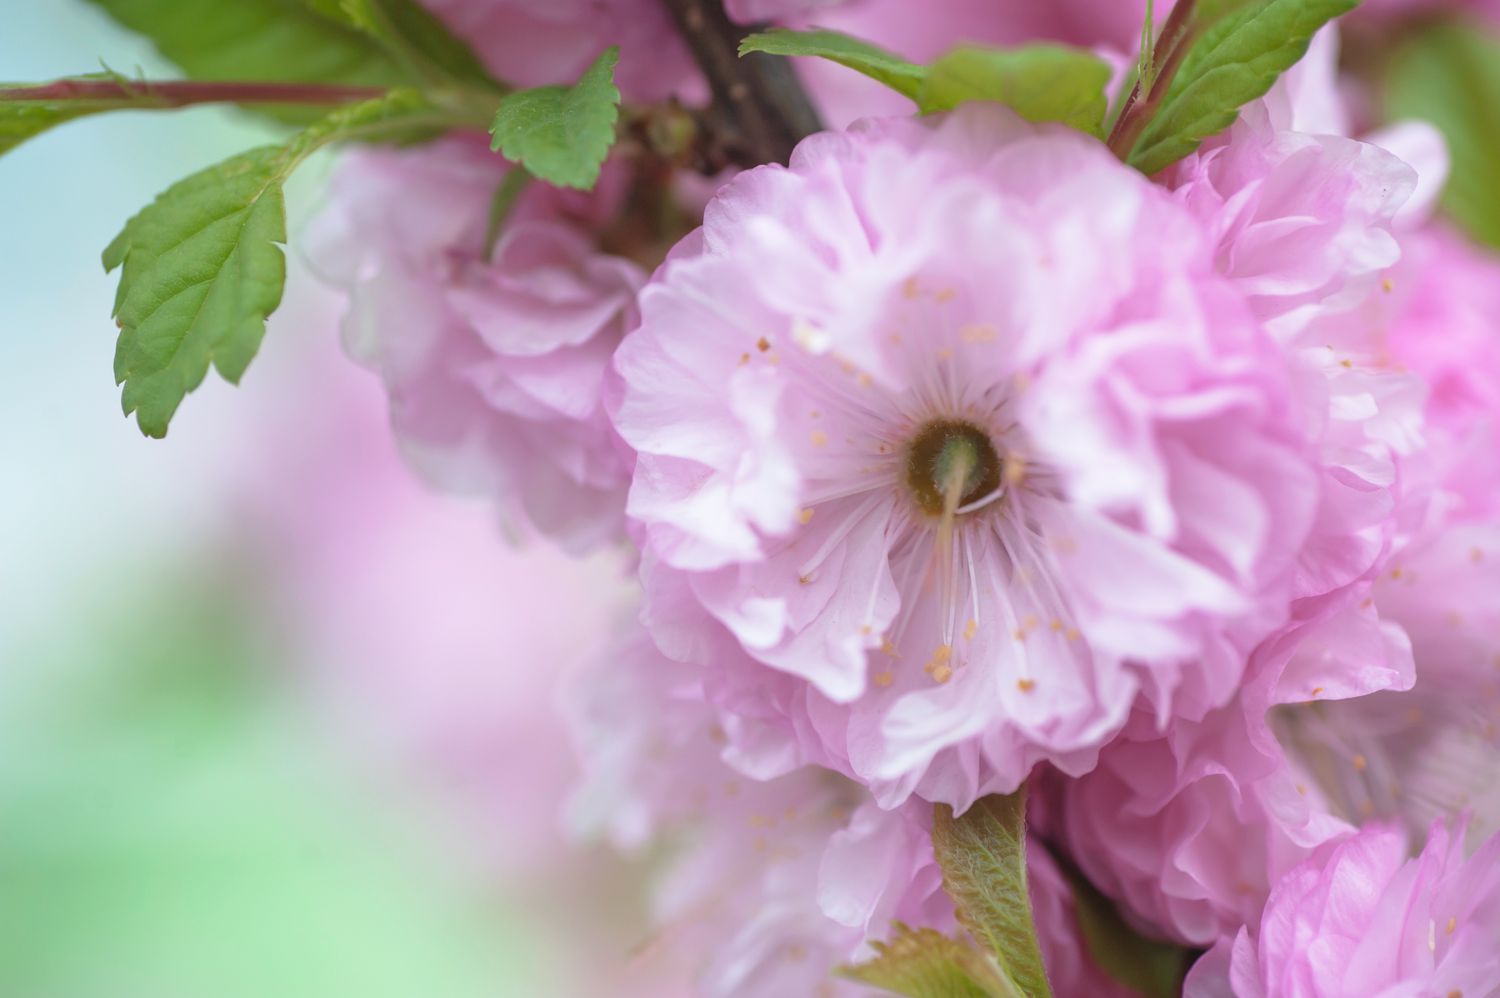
point(1434, 750)
point(1431, 751)
point(495, 367)
point(1444, 325)
point(1187, 830)
point(921, 426)
point(532, 43)
point(1360, 920)
point(750, 11)
point(1303, 222)
point(783, 879)
point(780, 881)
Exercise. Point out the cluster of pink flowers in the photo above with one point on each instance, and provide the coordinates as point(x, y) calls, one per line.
point(957, 455)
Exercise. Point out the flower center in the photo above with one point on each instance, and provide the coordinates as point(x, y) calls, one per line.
point(950, 464)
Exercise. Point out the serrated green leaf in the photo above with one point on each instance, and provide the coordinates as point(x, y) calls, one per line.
point(924, 963)
point(269, 40)
point(1234, 61)
point(1449, 75)
point(1150, 967)
point(562, 134)
point(1039, 82)
point(861, 56)
point(415, 37)
point(202, 266)
point(983, 858)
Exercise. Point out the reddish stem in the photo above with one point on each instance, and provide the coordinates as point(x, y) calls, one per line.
point(182, 93)
point(1171, 48)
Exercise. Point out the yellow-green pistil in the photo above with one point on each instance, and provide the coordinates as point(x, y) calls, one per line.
point(950, 464)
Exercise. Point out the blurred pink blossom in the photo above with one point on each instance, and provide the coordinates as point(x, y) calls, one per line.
point(532, 43)
point(1360, 919)
point(495, 366)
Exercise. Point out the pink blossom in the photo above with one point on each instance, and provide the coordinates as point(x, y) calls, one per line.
point(1443, 326)
point(969, 492)
point(1304, 223)
point(1187, 830)
point(531, 43)
point(780, 881)
point(495, 367)
point(784, 879)
point(1360, 920)
point(750, 11)
point(1433, 750)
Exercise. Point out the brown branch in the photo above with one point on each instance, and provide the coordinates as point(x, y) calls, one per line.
point(184, 93)
point(761, 108)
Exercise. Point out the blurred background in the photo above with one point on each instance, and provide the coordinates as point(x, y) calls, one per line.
point(274, 720)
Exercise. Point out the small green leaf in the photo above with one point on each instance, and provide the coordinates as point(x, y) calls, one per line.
point(562, 134)
point(265, 40)
point(924, 963)
point(983, 858)
point(862, 57)
point(1449, 75)
point(1040, 82)
point(415, 37)
point(202, 266)
point(1150, 967)
point(1235, 60)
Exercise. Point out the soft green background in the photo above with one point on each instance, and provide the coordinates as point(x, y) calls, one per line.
point(172, 822)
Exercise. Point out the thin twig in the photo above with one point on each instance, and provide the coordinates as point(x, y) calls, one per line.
point(762, 109)
point(183, 93)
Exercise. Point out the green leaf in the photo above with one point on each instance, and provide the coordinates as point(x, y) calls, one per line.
point(1233, 61)
point(924, 963)
point(562, 134)
point(202, 266)
point(1150, 967)
point(414, 37)
point(1449, 75)
point(862, 57)
point(983, 858)
point(1040, 82)
point(268, 40)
